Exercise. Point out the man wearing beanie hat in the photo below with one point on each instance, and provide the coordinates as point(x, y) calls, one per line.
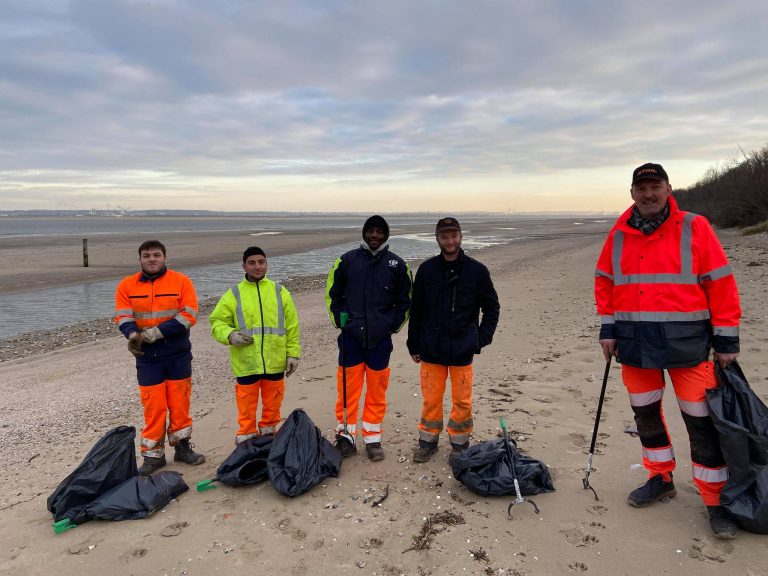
point(368, 294)
point(445, 332)
point(666, 295)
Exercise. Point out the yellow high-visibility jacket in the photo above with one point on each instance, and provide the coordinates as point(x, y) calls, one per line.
point(265, 311)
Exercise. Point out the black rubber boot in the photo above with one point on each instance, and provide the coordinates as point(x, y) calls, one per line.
point(185, 454)
point(344, 446)
point(456, 450)
point(653, 490)
point(721, 522)
point(375, 451)
point(151, 464)
point(424, 451)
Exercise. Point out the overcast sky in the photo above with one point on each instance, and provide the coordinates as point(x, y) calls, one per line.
point(379, 106)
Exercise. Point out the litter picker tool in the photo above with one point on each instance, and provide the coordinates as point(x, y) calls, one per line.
point(518, 496)
point(588, 469)
point(343, 319)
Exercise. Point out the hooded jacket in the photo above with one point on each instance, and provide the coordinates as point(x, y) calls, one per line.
point(373, 287)
point(448, 297)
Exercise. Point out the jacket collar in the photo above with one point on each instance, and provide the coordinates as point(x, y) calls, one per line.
point(623, 222)
point(150, 277)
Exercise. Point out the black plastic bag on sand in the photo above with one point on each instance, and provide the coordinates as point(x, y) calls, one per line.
point(110, 462)
point(300, 457)
point(137, 497)
point(247, 464)
point(741, 420)
point(485, 469)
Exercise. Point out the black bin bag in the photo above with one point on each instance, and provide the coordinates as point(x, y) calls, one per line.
point(110, 462)
point(247, 464)
point(741, 420)
point(137, 497)
point(485, 469)
point(300, 457)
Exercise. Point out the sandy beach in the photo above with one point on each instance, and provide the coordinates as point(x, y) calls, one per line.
point(542, 373)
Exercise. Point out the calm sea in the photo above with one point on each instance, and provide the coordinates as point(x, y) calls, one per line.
point(21, 312)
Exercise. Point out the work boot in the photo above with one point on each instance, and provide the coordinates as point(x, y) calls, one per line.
point(424, 451)
point(345, 446)
point(654, 489)
point(721, 522)
point(151, 464)
point(375, 451)
point(456, 450)
point(184, 453)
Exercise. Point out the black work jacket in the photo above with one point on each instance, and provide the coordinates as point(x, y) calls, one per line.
point(448, 297)
point(374, 289)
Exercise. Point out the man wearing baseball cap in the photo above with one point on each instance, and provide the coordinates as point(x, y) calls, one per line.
point(445, 332)
point(666, 296)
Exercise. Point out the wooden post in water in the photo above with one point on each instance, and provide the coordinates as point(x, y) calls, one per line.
point(85, 252)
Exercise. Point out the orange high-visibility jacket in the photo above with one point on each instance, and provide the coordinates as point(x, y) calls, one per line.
point(168, 302)
point(668, 296)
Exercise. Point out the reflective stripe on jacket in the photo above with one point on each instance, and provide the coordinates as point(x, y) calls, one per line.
point(374, 289)
point(265, 311)
point(167, 302)
point(666, 297)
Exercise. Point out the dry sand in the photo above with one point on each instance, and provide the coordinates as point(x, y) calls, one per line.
point(542, 372)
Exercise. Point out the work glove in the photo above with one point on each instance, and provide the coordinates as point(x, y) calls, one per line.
point(291, 365)
point(134, 344)
point(237, 339)
point(152, 335)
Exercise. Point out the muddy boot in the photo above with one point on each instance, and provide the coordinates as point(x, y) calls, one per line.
point(151, 464)
point(344, 446)
point(721, 523)
point(425, 451)
point(456, 450)
point(184, 453)
point(375, 451)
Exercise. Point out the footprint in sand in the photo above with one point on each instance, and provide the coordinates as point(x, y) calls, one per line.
point(597, 525)
point(578, 443)
point(134, 554)
point(174, 529)
point(576, 537)
point(286, 527)
point(597, 509)
point(87, 545)
point(710, 550)
point(578, 566)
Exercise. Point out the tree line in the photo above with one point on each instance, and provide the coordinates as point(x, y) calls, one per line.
point(732, 195)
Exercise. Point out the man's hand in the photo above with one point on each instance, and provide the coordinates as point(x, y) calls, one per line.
point(291, 365)
point(416, 358)
point(725, 358)
point(609, 348)
point(134, 344)
point(237, 339)
point(152, 335)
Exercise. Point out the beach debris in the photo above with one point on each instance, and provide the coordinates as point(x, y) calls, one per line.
point(481, 555)
point(432, 526)
point(368, 543)
point(401, 459)
point(382, 498)
point(360, 563)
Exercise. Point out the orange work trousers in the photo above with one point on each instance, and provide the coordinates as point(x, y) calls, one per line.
point(374, 406)
point(646, 390)
point(247, 395)
point(167, 400)
point(433, 381)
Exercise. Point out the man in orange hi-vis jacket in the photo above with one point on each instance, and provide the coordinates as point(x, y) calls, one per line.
point(155, 309)
point(666, 295)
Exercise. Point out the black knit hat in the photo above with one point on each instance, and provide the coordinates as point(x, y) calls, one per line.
point(376, 222)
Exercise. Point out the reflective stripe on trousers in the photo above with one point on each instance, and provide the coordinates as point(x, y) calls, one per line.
point(433, 382)
point(374, 405)
point(170, 399)
point(646, 389)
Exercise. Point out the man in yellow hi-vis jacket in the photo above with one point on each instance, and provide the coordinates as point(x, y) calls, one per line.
point(258, 321)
